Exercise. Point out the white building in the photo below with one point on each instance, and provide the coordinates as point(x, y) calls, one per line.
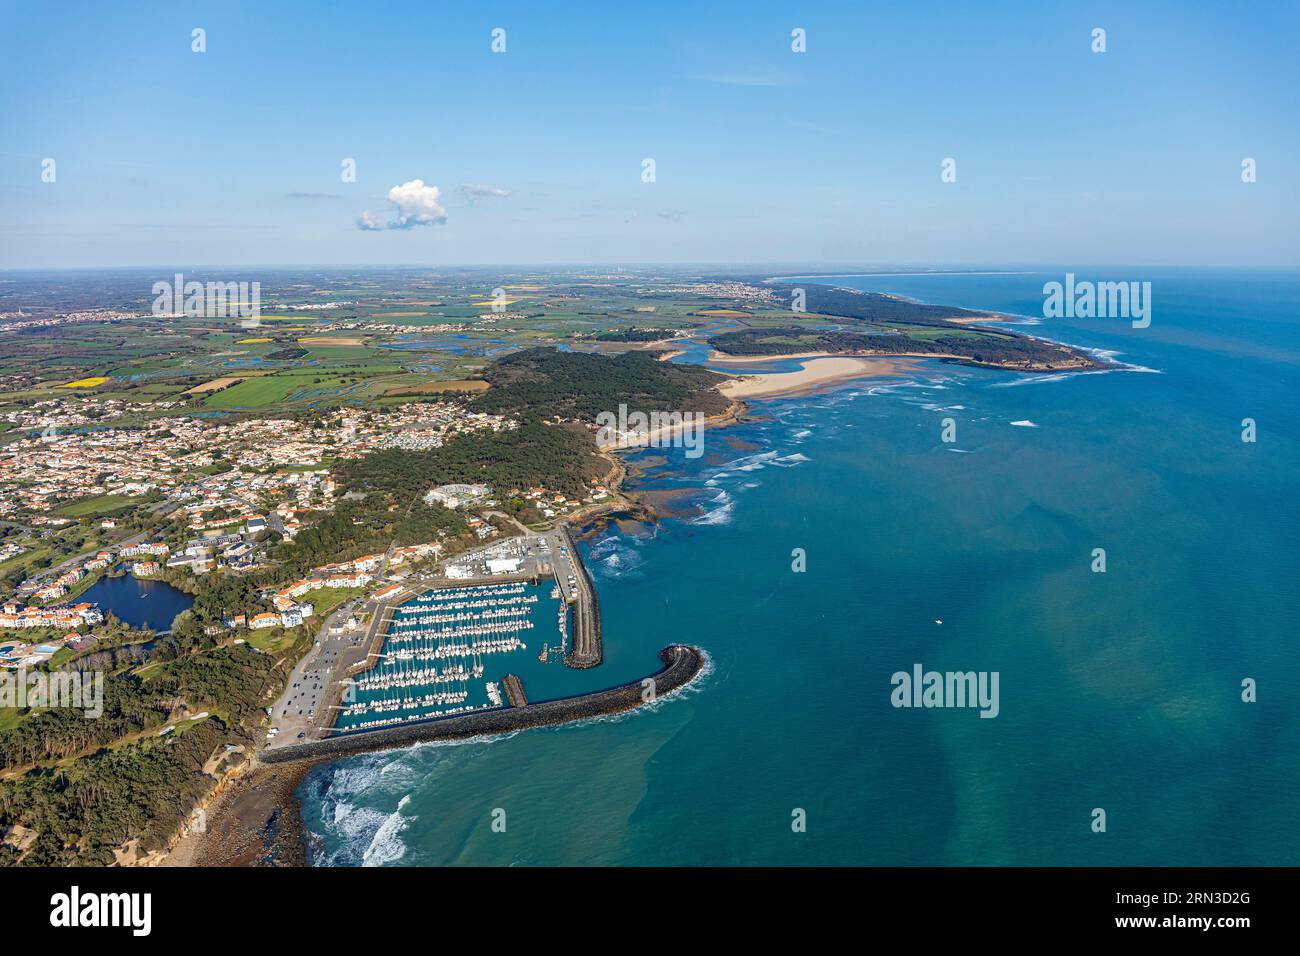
point(457, 496)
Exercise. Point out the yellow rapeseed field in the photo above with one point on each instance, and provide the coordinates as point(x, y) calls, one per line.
point(86, 382)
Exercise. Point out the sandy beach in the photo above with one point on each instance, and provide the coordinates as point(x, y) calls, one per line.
point(723, 358)
point(976, 320)
point(659, 437)
point(814, 373)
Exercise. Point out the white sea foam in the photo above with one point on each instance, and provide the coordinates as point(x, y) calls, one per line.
point(697, 686)
point(789, 461)
point(755, 462)
point(1036, 379)
point(618, 562)
point(387, 846)
point(1110, 355)
point(894, 388)
point(719, 515)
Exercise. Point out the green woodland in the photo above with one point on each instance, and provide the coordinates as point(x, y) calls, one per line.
point(552, 383)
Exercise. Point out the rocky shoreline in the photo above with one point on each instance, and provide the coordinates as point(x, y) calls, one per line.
point(255, 822)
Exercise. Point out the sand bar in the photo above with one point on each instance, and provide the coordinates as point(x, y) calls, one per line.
point(724, 358)
point(814, 373)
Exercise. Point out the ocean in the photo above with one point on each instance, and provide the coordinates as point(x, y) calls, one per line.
point(1119, 691)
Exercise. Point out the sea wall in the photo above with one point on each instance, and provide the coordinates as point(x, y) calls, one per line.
point(682, 665)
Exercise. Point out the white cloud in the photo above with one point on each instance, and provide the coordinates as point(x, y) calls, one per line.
point(478, 191)
point(417, 205)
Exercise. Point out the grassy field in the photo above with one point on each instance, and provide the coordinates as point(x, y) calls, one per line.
point(327, 599)
point(434, 388)
point(308, 466)
point(103, 504)
point(325, 353)
point(271, 640)
point(35, 554)
point(260, 391)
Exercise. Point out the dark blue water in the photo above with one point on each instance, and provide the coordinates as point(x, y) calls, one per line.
point(140, 603)
point(1118, 690)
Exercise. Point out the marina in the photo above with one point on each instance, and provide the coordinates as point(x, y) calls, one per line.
point(446, 652)
point(467, 647)
point(515, 614)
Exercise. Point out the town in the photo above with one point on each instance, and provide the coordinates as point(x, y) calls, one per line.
point(214, 494)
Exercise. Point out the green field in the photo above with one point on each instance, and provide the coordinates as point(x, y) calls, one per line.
point(31, 556)
point(327, 599)
point(272, 640)
point(104, 504)
point(260, 391)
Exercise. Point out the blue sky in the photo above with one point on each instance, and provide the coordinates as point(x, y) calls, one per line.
point(829, 157)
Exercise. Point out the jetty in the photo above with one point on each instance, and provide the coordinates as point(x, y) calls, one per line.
point(579, 590)
point(514, 688)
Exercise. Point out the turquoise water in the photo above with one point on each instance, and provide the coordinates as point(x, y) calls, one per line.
point(1119, 691)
